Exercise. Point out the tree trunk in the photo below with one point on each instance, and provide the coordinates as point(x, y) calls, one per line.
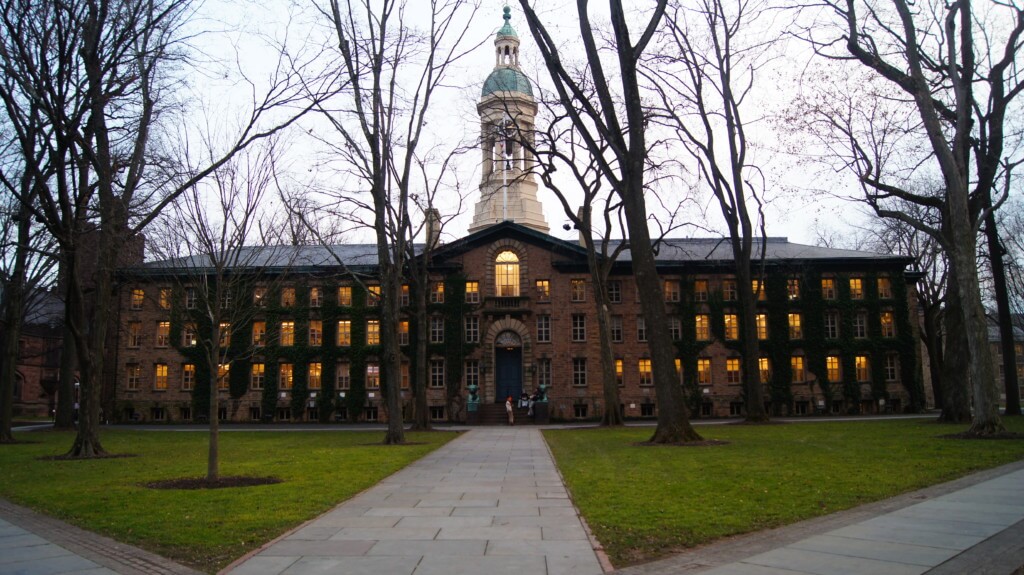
point(956, 401)
point(420, 415)
point(391, 357)
point(212, 355)
point(752, 386)
point(14, 315)
point(64, 418)
point(612, 415)
point(932, 337)
point(996, 251)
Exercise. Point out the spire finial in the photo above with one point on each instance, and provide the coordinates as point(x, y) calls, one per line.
point(507, 13)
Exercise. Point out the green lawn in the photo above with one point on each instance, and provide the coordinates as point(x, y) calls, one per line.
point(643, 502)
point(206, 529)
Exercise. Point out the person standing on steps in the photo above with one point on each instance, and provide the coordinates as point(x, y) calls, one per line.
point(508, 410)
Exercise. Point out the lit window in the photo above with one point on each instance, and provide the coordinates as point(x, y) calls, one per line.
point(796, 364)
point(188, 376)
point(828, 288)
point(729, 290)
point(223, 371)
point(436, 329)
point(286, 375)
point(259, 333)
point(133, 373)
point(641, 328)
point(672, 292)
point(646, 376)
point(732, 370)
point(888, 324)
point(732, 326)
point(614, 291)
point(860, 325)
point(134, 334)
point(316, 332)
point(764, 365)
point(437, 373)
point(700, 290)
point(372, 332)
point(577, 290)
point(315, 297)
point(372, 296)
point(832, 368)
point(345, 296)
point(163, 333)
point(579, 371)
point(138, 296)
point(342, 376)
point(761, 320)
point(544, 328)
point(892, 367)
point(506, 274)
point(257, 374)
point(473, 292)
point(160, 376)
point(437, 292)
point(259, 297)
point(704, 371)
point(703, 322)
point(315, 375)
point(796, 330)
point(165, 298)
point(372, 375)
point(884, 288)
point(405, 294)
point(679, 370)
point(287, 333)
point(288, 297)
point(189, 336)
point(225, 334)
point(862, 367)
point(618, 372)
point(345, 332)
point(579, 327)
point(403, 332)
point(793, 288)
point(543, 290)
point(831, 325)
point(856, 288)
point(472, 329)
point(757, 287)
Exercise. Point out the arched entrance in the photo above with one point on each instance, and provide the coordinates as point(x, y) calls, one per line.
point(508, 366)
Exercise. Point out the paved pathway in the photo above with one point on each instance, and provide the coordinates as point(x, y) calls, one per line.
point(489, 502)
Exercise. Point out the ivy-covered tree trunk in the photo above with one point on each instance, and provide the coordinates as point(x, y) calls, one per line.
point(612, 415)
point(956, 401)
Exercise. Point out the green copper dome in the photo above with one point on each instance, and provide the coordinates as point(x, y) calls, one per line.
point(506, 80)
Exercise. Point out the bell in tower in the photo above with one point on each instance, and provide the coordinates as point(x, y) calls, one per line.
point(508, 189)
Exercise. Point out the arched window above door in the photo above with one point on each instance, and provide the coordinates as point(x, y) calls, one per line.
point(506, 274)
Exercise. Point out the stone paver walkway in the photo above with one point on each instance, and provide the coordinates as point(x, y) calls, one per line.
point(490, 502)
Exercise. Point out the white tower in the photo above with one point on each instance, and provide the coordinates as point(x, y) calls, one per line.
point(508, 191)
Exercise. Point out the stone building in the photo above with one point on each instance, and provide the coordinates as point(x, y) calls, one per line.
point(511, 308)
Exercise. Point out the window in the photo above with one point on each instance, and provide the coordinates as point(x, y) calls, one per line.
point(287, 333)
point(437, 413)
point(679, 370)
point(224, 331)
point(577, 290)
point(257, 375)
point(372, 296)
point(543, 290)
point(225, 300)
point(860, 325)
point(315, 297)
point(437, 373)
point(133, 373)
point(165, 298)
point(884, 288)
point(436, 329)
point(672, 292)
point(316, 332)
point(372, 332)
point(793, 288)
point(288, 297)
point(757, 286)
point(646, 376)
point(892, 367)
point(831, 325)
point(544, 372)
point(579, 371)
point(828, 288)
point(403, 332)
point(579, 327)
point(888, 324)
point(618, 372)
point(344, 332)
point(614, 291)
point(436, 292)
point(138, 296)
point(188, 376)
point(506, 274)
point(732, 370)
point(729, 290)
point(472, 372)
point(761, 320)
point(315, 375)
point(700, 290)
point(796, 330)
point(223, 371)
point(832, 368)
point(764, 365)
point(856, 288)
point(342, 377)
point(544, 328)
point(704, 371)
point(259, 333)
point(158, 414)
point(160, 376)
point(134, 333)
point(189, 337)
point(675, 328)
point(345, 296)
point(259, 297)
point(732, 326)
point(641, 328)
point(405, 375)
point(286, 375)
point(473, 292)
point(472, 329)
point(579, 410)
point(863, 369)
point(372, 375)
point(703, 322)
point(616, 328)
point(796, 364)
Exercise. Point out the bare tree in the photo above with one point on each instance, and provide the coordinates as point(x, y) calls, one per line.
point(613, 126)
point(704, 72)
